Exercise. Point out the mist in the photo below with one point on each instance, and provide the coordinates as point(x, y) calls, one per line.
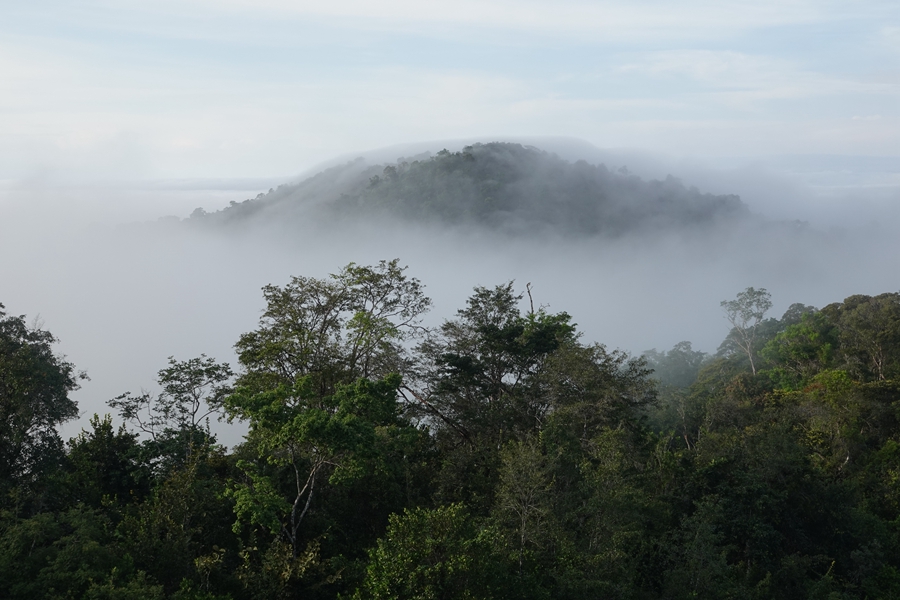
point(113, 272)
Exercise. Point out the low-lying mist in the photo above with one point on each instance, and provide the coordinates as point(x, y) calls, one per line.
point(124, 290)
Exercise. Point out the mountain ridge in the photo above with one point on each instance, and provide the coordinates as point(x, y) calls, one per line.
point(497, 185)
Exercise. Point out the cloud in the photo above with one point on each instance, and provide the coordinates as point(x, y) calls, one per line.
point(203, 89)
point(122, 299)
point(890, 37)
point(604, 20)
point(589, 22)
point(743, 80)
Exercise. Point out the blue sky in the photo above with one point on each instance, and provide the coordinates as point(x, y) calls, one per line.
point(233, 88)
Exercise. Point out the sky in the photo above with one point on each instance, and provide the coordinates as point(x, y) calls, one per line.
point(163, 90)
point(113, 113)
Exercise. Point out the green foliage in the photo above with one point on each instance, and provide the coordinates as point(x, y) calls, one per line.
point(482, 372)
point(437, 554)
point(71, 554)
point(499, 458)
point(104, 465)
point(334, 440)
point(746, 313)
point(869, 333)
point(176, 533)
point(677, 368)
point(136, 588)
point(277, 571)
point(801, 350)
point(333, 330)
point(34, 399)
point(525, 503)
point(698, 552)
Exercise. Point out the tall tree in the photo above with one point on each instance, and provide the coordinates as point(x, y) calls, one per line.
point(319, 388)
point(745, 313)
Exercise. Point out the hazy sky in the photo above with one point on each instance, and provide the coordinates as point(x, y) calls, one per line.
point(234, 88)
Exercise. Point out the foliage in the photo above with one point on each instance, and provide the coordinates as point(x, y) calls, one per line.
point(70, 554)
point(437, 554)
point(676, 368)
point(105, 465)
point(495, 456)
point(34, 399)
point(745, 313)
point(177, 419)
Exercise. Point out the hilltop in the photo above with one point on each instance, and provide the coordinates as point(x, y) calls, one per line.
point(501, 186)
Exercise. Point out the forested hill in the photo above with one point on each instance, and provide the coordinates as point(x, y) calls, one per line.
point(498, 185)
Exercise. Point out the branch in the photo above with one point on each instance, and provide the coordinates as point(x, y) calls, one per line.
point(459, 428)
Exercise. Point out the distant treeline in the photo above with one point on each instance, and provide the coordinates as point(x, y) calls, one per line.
point(499, 455)
point(502, 186)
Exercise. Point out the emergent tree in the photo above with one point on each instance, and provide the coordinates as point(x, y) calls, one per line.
point(745, 313)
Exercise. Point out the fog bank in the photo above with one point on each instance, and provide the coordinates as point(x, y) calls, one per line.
point(123, 290)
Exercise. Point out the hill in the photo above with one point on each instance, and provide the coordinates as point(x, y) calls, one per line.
point(501, 186)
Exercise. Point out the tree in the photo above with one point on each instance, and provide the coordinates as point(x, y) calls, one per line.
point(320, 389)
point(314, 438)
point(104, 465)
point(525, 496)
point(74, 553)
point(480, 385)
point(870, 333)
point(334, 330)
point(745, 314)
point(179, 534)
point(177, 419)
point(34, 399)
point(676, 368)
point(480, 376)
point(437, 554)
point(802, 349)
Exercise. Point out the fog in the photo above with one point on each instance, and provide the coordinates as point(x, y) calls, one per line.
point(110, 271)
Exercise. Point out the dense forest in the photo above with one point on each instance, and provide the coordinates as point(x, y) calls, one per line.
point(500, 186)
point(499, 455)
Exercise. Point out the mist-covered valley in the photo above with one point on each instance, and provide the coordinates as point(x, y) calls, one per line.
point(465, 300)
point(639, 254)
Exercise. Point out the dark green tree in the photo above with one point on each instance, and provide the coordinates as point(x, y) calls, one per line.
point(34, 399)
point(480, 372)
point(480, 385)
point(105, 465)
point(73, 553)
point(803, 349)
